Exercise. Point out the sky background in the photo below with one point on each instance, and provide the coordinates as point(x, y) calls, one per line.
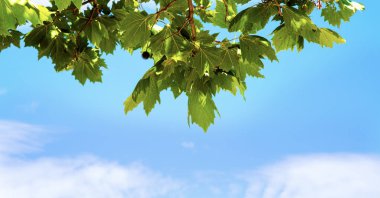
point(311, 123)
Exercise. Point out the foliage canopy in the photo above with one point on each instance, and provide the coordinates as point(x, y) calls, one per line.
point(188, 58)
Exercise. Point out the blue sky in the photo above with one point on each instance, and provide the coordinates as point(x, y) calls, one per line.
point(321, 103)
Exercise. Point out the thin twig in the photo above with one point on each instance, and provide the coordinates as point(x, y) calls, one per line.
point(319, 4)
point(94, 9)
point(225, 2)
point(279, 7)
point(158, 13)
point(183, 26)
point(177, 32)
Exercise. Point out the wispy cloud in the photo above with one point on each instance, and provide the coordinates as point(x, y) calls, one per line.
point(82, 176)
point(317, 176)
point(188, 145)
point(77, 177)
point(17, 137)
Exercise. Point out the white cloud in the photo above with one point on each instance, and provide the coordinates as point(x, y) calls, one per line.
point(17, 138)
point(310, 176)
point(318, 176)
point(188, 145)
point(82, 176)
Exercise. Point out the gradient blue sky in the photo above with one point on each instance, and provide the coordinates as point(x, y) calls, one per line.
point(321, 100)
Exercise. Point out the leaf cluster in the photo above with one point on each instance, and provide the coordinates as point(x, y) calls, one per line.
point(188, 58)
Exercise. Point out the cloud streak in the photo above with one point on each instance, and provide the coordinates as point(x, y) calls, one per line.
point(18, 138)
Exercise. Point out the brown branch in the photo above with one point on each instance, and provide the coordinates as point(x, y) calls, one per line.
point(191, 19)
point(319, 4)
point(279, 7)
point(225, 2)
point(94, 9)
point(158, 13)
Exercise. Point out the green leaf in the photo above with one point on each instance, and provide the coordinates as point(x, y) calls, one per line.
point(201, 109)
point(130, 104)
point(12, 13)
point(206, 59)
point(229, 83)
point(12, 39)
point(298, 23)
point(43, 14)
point(176, 7)
point(62, 4)
point(109, 45)
point(96, 32)
point(336, 13)
point(88, 66)
point(329, 37)
point(152, 95)
point(222, 17)
point(53, 45)
point(17, 12)
point(206, 37)
point(37, 35)
point(136, 29)
point(146, 91)
point(283, 39)
point(253, 48)
point(229, 58)
point(245, 68)
point(354, 6)
point(77, 3)
point(252, 19)
point(168, 42)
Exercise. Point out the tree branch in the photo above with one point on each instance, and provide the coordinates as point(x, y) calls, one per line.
point(279, 7)
point(225, 2)
point(319, 4)
point(191, 19)
point(94, 9)
point(158, 13)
